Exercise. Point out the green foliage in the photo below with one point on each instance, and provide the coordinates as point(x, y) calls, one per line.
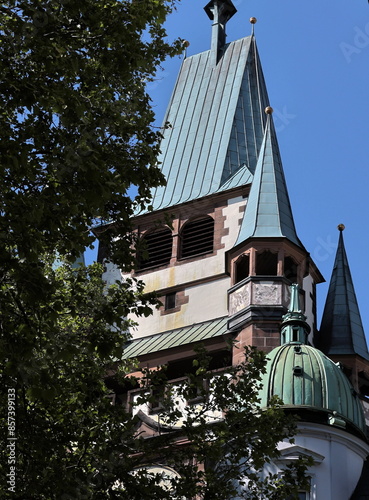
point(73, 443)
point(76, 131)
point(55, 355)
point(76, 121)
point(228, 432)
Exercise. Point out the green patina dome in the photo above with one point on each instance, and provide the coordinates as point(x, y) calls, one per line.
point(307, 380)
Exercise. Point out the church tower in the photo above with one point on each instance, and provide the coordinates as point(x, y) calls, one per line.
point(224, 262)
point(221, 250)
point(268, 255)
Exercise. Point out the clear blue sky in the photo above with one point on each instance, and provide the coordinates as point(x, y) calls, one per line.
point(315, 58)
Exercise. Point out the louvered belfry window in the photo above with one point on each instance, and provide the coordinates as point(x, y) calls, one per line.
point(156, 249)
point(197, 237)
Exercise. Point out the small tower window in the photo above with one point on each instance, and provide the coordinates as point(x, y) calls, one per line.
point(266, 263)
point(290, 269)
point(242, 268)
point(156, 397)
point(156, 249)
point(197, 237)
point(170, 301)
point(295, 334)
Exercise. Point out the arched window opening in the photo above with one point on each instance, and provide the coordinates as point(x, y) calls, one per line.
point(290, 269)
point(242, 268)
point(295, 334)
point(197, 237)
point(266, 263)
point(156, 249)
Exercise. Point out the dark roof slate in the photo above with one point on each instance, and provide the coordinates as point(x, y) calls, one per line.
point(341, 330)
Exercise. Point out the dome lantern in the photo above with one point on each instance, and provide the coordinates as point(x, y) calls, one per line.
point(294, 327)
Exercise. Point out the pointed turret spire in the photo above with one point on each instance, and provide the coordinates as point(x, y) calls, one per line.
point(219, 11)
point(268, 210)
point(341, 331)
point(294, 327)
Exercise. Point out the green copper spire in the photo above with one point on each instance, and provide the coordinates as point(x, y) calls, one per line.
point(341, 329)
point(294, 327)
point(268, 210)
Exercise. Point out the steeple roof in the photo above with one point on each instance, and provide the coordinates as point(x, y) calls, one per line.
point(268, 211)
point(217, 124)
point(341, 330)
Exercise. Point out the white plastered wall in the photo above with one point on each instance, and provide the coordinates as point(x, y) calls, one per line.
point(204, 282)
point(336, 475)
point(206, 301)
point(111, 273)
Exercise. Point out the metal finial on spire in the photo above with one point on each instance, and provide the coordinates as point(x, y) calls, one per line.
point(185, 45)
point(341, 227)
point(269, 110)
point(253, 21)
